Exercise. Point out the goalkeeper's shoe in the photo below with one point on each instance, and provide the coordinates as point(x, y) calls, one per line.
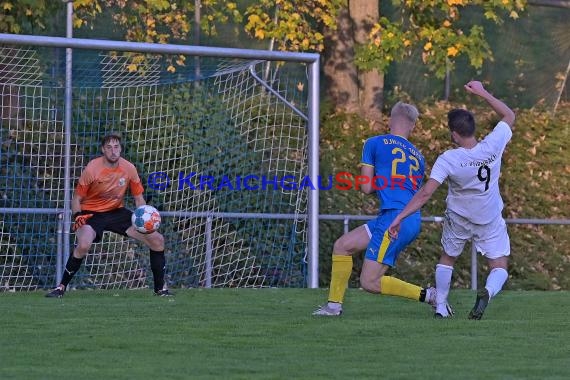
point(163, 293)
point(328, 311)
point(443, 311)
point(56, 293)
point(480, 304)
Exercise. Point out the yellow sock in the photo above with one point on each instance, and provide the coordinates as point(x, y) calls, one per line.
point(340, 274)
point(395, 287)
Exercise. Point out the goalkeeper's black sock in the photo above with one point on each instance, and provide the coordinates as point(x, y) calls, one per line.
point(157, 265)
point(72, 266)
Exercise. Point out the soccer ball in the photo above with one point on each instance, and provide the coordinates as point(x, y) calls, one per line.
point(146, 219)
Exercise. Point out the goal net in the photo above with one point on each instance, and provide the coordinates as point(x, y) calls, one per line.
point(220, 145)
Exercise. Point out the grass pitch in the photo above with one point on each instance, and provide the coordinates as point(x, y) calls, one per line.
point(271, 334)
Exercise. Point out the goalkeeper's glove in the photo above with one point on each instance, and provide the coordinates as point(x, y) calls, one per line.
point(79, 220)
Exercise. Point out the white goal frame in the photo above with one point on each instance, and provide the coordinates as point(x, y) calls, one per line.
point(312, 61)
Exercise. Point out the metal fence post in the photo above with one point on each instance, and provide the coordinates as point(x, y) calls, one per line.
point(208, 271)
point(59, 258)
point(473, 266)
point(345, 222)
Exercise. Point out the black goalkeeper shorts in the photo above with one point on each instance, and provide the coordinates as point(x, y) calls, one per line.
point(117, 221)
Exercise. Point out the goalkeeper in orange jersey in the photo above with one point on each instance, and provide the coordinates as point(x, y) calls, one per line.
point(98, 206)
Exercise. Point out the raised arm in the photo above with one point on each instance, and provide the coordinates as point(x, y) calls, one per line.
point(507, 114)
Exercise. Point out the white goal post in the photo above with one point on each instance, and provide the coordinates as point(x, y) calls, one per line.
point(50, 131)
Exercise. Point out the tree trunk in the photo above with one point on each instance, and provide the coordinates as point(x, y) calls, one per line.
point(364, 13)
point(340, 72)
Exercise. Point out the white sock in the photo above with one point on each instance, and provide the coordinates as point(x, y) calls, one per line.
point(442, 282)
point(429, 294)
point(495, 281)
point(442, 310)
point(334, 305)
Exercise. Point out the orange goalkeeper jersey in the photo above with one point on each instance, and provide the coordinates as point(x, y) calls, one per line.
point(103, 188)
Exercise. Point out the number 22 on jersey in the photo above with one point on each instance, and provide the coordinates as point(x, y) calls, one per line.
point(404, 163)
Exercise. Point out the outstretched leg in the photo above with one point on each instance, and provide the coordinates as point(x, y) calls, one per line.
point(343, 249)
point(85, 236)
point(373, 280)
point(382, 253)
point(155, 243)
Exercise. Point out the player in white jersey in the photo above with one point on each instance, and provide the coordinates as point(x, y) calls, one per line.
point(474, 203)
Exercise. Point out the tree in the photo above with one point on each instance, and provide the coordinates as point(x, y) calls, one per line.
point(360, 44)
point(349, 89)
point(434, 26)
point(158, 21)
point(26, 16)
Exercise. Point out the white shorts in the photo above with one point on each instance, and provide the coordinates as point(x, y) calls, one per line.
point(491, 239)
